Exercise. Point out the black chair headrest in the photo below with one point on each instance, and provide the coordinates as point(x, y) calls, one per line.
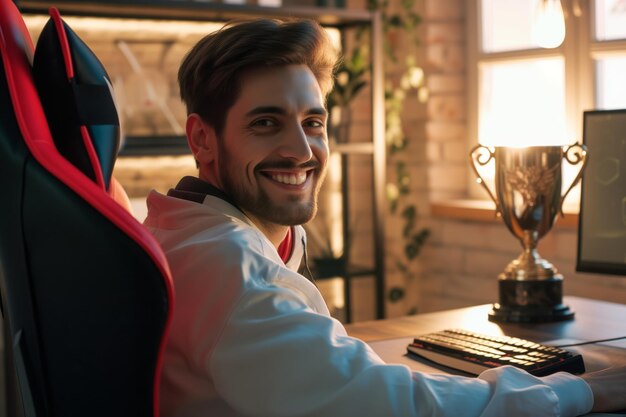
point(76, 95)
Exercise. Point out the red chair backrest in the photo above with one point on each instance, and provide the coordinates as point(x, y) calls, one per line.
point(86, 291)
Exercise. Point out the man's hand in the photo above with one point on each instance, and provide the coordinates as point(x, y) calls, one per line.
point(609, 389)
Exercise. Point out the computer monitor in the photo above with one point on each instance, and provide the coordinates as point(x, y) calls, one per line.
point(602, 219)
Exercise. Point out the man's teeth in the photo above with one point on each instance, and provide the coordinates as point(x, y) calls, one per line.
point(291, 179)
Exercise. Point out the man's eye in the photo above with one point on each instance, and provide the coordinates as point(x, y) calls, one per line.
point(264, 123)
point(313, 123)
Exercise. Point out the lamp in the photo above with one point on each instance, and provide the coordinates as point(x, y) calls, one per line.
point(549, 24)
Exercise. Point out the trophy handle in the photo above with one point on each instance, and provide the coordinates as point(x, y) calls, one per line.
point(477, 156)
point(574, 154)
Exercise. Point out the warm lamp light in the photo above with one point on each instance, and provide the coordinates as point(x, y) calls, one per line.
point(549, 25)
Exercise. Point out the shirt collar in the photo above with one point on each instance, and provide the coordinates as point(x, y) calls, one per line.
point(194, 189)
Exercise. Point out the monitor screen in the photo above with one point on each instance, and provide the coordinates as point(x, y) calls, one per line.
point(602, 220)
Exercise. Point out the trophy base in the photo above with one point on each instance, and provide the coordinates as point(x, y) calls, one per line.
point(533, 301)
point(531, 314)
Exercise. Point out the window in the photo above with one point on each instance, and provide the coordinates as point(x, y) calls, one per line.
point(610, 23)
point(510, 113)
point(610, 84)
point(523, 94)
point(608, 51)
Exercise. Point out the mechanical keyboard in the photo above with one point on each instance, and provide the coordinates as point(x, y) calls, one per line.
point(473, 353)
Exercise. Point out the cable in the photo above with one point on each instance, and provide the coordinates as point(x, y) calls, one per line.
point(592, 342)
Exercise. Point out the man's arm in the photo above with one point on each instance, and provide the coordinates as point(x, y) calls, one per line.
point(278, 357)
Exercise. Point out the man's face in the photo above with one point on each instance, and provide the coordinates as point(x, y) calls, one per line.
point(273, 148)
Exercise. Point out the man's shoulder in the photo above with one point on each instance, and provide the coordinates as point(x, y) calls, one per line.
point(217, 233)
point(189, 228)
point(169, 216)
point(198, 237)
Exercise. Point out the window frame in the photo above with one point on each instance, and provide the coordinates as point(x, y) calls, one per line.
point(579, 50)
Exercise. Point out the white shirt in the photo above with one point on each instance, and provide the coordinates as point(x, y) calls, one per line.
point(252, 337)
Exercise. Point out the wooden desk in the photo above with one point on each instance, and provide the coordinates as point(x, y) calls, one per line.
point(594, 320)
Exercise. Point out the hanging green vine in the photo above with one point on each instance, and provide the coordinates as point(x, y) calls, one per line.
point(350, 80)
point(402, 24)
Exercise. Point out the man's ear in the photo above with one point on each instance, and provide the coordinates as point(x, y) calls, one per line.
point(201, 139)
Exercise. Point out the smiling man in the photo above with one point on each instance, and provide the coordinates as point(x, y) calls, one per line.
point(270, 155)
point(250, 336)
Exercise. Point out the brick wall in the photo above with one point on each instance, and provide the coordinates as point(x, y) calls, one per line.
point(436, 154)
point(464, 258)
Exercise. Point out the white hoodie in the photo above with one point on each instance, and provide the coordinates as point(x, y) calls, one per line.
point(252, 337)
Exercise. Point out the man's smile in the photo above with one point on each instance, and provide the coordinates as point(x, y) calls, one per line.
point(296, 177)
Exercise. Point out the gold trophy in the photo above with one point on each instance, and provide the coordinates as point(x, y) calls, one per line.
point(528, 198)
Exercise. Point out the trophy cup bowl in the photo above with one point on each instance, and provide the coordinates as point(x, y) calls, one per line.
point(528, 198)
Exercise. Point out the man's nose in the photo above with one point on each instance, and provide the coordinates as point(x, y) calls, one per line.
point(295, 145)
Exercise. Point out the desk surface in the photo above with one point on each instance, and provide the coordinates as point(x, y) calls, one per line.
point(594, 320)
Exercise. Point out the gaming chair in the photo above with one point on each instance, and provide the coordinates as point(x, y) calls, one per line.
point(86, 291)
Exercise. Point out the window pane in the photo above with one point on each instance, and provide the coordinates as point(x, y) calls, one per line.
point(522, 103)
point(507, 24)
point(610, 86)
point(610, 19)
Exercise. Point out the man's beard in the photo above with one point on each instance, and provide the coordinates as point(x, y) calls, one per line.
point(298, 211)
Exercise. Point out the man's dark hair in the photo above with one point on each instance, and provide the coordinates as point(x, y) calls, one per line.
point(210, 74)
